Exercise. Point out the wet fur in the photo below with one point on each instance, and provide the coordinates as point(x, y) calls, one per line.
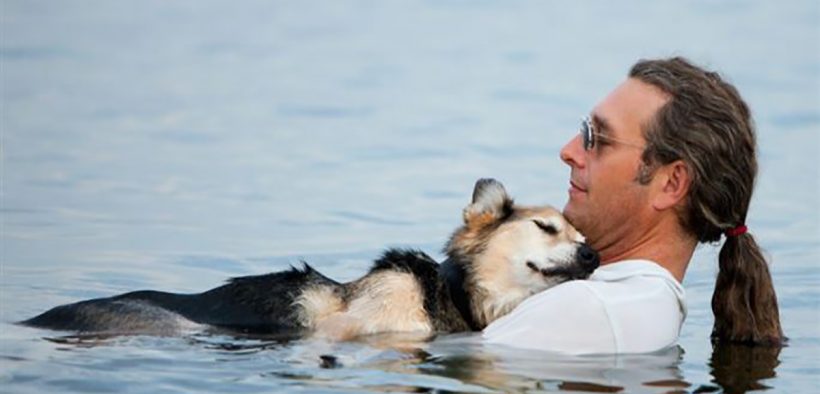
point(500, 255)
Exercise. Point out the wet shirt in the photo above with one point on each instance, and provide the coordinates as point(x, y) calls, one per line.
point(632, 306)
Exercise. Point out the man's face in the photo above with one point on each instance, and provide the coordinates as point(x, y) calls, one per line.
point(606, 203)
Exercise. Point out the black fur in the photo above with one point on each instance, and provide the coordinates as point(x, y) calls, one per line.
point(453, 274)
point(257, 304)
point(252, 304)
point(267, 303)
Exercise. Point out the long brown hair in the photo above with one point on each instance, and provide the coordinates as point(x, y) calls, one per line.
point(708, 126)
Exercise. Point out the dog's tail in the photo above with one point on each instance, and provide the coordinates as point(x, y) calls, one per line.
point(137, 312)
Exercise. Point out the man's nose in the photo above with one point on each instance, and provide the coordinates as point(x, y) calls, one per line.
point(573, 153)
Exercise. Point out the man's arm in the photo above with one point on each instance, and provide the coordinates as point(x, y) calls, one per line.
point(569, 318)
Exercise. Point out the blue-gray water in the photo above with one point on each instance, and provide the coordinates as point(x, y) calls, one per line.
point(170, 145)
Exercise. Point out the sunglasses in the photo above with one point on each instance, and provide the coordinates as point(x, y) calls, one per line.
point(588, 136)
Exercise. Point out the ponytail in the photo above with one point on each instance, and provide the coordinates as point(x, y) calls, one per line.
point(744, 302)
point(706, 124)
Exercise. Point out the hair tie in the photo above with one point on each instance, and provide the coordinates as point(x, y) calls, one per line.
point(739, 230)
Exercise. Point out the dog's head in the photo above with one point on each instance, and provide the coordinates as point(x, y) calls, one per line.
point(509, 252)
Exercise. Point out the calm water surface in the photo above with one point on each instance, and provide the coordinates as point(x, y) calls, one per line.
point(172, 145)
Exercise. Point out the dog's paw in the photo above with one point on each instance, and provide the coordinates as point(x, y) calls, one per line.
point(329, 361)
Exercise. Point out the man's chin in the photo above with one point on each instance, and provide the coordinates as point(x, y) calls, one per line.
point(571, 212)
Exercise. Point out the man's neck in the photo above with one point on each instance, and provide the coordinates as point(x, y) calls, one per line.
point(665, 244)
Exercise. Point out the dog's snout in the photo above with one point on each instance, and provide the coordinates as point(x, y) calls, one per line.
point(588, 257)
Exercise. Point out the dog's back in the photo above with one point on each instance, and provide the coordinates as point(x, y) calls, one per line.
point(259, 304)
point(402, 292)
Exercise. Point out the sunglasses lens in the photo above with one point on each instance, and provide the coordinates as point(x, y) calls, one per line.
point(586, 134)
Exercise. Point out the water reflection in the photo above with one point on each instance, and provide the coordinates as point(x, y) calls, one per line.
point(500, 368)
point(740, 368)
point(735, 368)
point(462, 361)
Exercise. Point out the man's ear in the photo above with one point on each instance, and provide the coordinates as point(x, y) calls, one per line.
point(671, 185)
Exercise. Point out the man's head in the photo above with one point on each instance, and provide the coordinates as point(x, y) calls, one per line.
point(608, 202)
point(676, 151)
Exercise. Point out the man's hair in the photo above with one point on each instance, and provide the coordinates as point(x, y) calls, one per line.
point(707, 125)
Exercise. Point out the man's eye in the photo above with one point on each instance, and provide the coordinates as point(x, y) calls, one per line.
point(601, 144)
point(547, 228)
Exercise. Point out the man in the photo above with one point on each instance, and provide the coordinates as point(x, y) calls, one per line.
point(665, 161)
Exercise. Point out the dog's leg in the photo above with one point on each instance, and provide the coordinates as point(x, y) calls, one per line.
point(338, 327)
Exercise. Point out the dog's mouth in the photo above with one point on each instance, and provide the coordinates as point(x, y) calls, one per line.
point(571, 272)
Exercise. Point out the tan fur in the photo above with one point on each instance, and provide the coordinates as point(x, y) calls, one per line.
point(317, 304)
point(479, 220)
point(504, 246)
point(381, 302)
point(509, 249)
point(475, 234)
point(390, 301)
point(502, 254)
point(499, 293)
point(339, 326)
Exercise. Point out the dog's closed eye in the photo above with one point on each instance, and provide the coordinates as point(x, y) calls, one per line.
point(547, 227)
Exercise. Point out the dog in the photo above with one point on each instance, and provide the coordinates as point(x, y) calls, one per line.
point(502, 254)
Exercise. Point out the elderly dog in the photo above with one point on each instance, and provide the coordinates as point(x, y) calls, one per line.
point(502, 254)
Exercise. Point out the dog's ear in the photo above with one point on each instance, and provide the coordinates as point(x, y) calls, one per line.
point(490, 202)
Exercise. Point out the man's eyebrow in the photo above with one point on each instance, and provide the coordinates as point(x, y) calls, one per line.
point(601, 124)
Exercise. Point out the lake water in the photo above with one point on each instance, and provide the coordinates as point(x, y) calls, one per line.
point(160, 145)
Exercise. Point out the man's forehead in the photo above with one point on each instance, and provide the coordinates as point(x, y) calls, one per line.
point(633, 103)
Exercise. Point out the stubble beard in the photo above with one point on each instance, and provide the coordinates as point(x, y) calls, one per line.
point(577, 217)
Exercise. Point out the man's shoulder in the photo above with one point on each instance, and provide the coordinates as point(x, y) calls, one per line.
point(617, 301)
point(574, 294)
point(633, 284)
point(631, 278)
point(630, 268)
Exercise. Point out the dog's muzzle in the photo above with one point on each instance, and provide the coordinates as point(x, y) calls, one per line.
point(588, 258)
point(586, 261)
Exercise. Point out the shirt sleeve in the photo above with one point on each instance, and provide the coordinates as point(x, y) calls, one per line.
point(569, 318)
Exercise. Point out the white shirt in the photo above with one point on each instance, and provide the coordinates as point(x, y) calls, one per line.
point(632, 306)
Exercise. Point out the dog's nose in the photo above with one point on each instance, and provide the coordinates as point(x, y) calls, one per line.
point(588, 257)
